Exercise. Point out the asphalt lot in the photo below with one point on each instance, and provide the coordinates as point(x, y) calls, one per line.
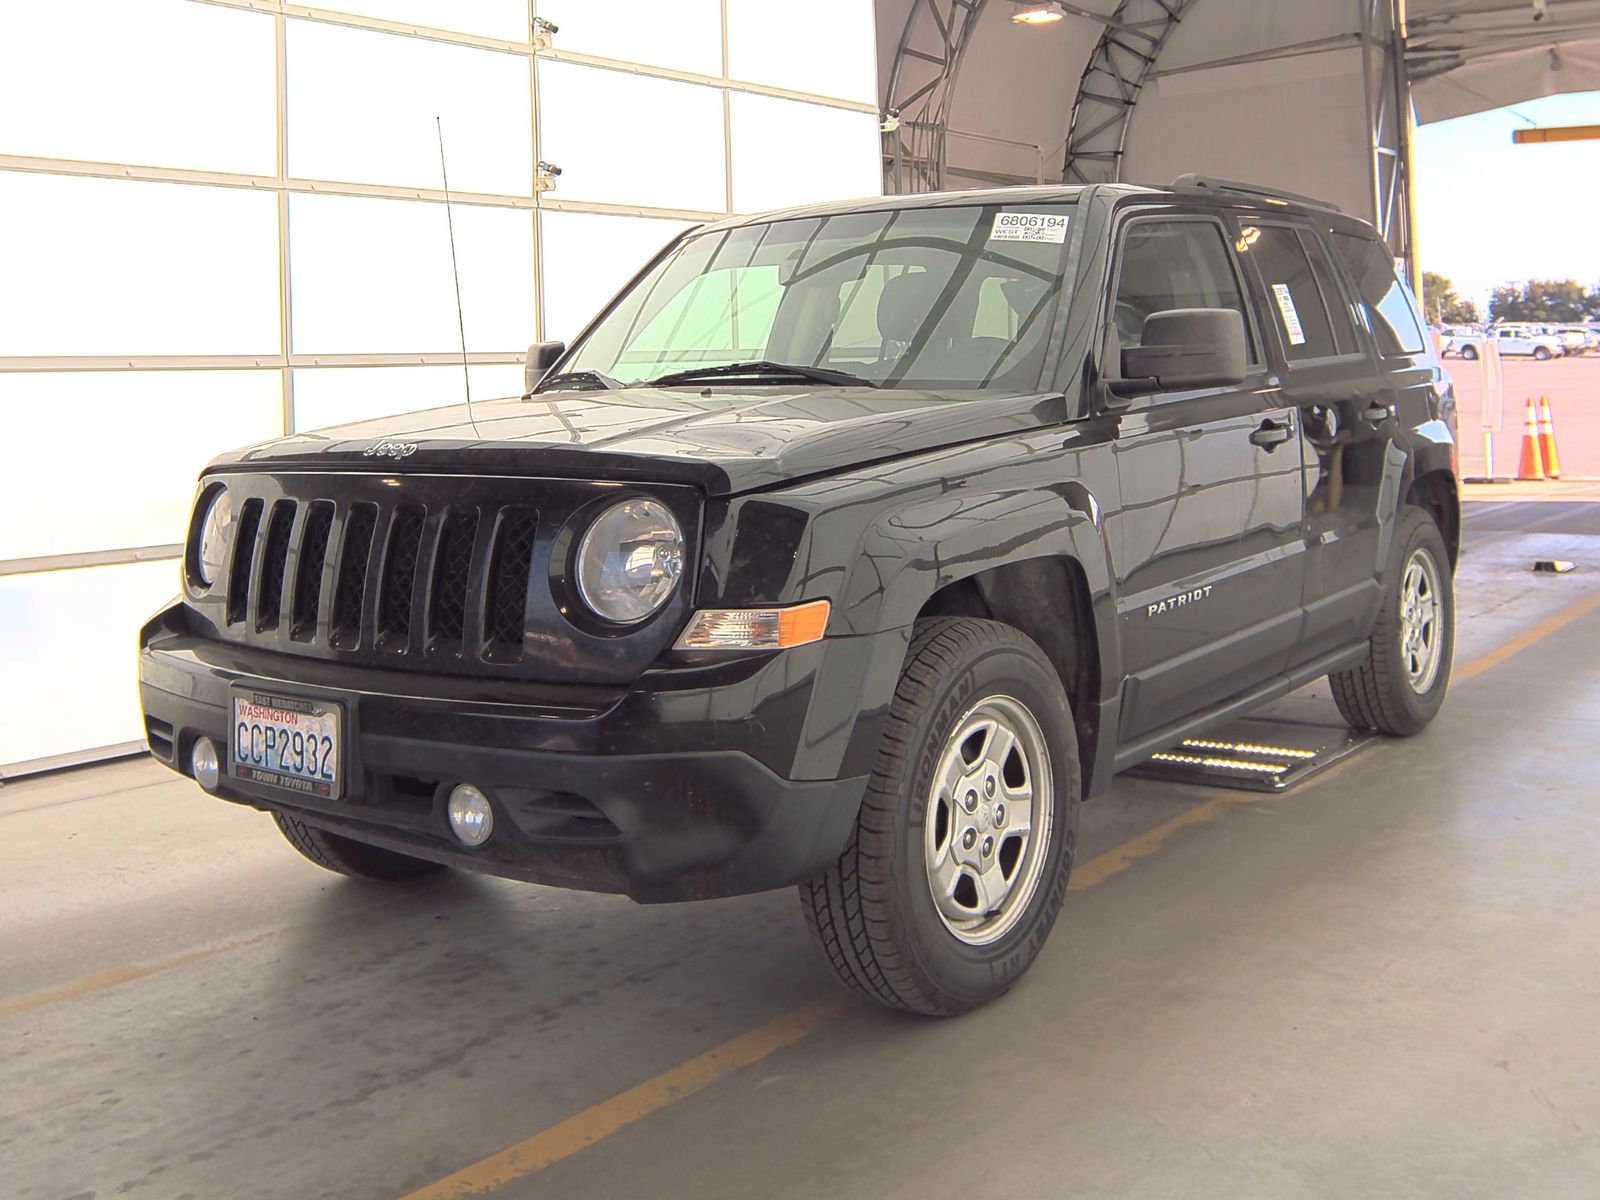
point(1380, 984)
point(1573, 388)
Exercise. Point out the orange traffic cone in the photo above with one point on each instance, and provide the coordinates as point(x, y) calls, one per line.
point(1532, 458)
point(1547, 440)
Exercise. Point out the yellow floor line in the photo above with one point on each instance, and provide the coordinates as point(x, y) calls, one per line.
point(594, 1124)
point(1099, 869)
point(1528, 637)
point(127, 973)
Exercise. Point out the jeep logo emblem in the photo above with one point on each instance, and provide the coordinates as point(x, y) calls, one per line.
point(390, 450)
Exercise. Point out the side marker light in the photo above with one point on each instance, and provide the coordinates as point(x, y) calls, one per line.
point(756, 628)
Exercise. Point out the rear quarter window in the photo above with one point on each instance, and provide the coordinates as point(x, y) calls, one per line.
point(1391, 312)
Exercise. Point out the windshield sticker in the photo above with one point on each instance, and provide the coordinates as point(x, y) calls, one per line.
point(1291, 319)
point(1029, 227)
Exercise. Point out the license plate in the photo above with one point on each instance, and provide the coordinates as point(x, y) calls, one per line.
point(287, 742)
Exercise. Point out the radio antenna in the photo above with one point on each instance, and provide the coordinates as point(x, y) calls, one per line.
point(455, 273)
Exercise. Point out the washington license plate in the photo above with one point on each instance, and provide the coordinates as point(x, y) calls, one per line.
point(287, 742)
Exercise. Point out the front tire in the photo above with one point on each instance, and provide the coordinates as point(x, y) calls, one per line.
point(964, 844)
point(1399, 687)
point(349, 857)
point(1541, 353)
point(1469, 352)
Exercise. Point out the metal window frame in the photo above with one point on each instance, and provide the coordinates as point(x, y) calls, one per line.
point(283, 185)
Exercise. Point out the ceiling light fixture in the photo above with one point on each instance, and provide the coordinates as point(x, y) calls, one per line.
point(1045, 12)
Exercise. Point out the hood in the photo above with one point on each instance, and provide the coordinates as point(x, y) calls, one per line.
point(723, 440)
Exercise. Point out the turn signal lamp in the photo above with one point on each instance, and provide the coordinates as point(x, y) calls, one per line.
point(756, 628)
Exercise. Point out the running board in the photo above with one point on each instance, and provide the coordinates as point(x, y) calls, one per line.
point(1256, 754)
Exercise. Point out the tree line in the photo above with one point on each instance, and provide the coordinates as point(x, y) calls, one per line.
point(1556, 301)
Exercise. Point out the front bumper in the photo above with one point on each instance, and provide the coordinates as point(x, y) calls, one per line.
point(663, 796)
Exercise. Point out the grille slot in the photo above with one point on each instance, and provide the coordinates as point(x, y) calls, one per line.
point(351, 589)
point(308, 575)
point(452, 570)
point(274, 563)
point(399, 577)
point(507, 613)
point(244, 549)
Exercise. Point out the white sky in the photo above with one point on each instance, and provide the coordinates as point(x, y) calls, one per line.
point(1491, 212)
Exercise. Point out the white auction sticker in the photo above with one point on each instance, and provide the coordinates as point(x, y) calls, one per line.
point(1291, 319)
point(1029, 227)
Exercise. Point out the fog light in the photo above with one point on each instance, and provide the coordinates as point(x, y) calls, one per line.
point(203, 764)
point(471, 818)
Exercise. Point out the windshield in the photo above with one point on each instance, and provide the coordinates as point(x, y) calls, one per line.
point(923, 297)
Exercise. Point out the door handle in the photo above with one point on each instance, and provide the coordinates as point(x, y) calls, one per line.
point(1376, 412)
point(1270, 435)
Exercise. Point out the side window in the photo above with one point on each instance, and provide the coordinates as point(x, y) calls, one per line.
point(1174, 264)
point(1388, 303)
point(1293, 297)
point(1344, 328)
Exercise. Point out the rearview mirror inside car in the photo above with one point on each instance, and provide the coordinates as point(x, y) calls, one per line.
point(1186, 348)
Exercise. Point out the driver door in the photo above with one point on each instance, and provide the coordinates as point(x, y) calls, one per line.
point(1208, 539)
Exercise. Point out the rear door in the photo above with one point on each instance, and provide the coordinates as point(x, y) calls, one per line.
point(1207, 541)
point(1352, 545)
point(1334, 382)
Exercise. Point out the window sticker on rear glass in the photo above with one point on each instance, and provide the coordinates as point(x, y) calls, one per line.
point(1291, 319)
point(1029, 227)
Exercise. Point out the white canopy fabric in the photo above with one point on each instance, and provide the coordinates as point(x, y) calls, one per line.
point(1466, 56)
point(1289, 93)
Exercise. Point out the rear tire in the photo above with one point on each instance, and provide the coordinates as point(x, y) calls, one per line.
point(943, 899)
point(1469, 352)
point(1398, 689)
point(1541, 353)
point(349, 857)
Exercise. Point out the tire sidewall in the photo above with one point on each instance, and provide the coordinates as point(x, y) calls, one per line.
point(971, 974)
point(1418, 531)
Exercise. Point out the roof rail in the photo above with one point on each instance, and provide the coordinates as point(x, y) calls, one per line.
point(1208, 183)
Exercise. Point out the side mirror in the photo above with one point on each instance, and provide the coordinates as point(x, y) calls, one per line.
point(541, 357)
point(1186, 348)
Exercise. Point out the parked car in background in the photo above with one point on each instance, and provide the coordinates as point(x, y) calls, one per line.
point(1576, 339)
point(1453, 337)
point(1519, 341)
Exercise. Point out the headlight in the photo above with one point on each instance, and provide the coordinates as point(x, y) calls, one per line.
point(630, 561)
point(216, 532)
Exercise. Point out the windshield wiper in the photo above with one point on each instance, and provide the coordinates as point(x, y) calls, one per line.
point(579, 381)
point(762, 367)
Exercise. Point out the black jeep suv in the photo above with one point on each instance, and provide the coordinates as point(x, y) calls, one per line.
point(849, 547)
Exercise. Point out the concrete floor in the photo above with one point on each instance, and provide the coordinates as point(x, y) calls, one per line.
point(1384, 983)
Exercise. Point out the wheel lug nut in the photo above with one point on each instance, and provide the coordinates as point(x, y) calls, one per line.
point(988, 846)
point(988, 786)
point(999, 814)
point(968, 838)
point(970, 800)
